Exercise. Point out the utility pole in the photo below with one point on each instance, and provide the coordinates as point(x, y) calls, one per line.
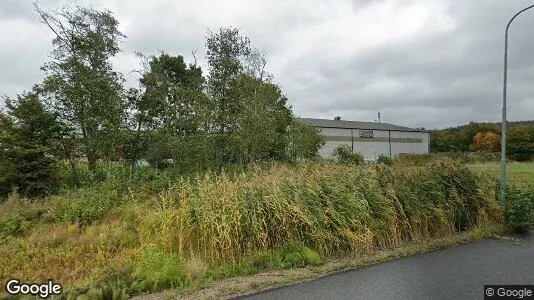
point(503, 124)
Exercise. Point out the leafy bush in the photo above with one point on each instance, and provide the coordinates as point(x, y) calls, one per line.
point(303, 141)
point(298, 256)
point(344, 155)
point(86, 205)
point(74, 176)
point(519, 208)
point(264, 260)
point(384, 159)
point(158, 179)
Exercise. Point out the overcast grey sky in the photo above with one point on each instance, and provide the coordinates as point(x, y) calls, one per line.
point(431, 63)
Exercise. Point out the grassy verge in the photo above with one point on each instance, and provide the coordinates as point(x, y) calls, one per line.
point(518, 172)
point(110, 240)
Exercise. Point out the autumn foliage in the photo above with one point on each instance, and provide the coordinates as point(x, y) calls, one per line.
point(486, 141)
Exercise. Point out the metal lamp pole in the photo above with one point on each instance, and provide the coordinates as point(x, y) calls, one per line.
point(503, 124)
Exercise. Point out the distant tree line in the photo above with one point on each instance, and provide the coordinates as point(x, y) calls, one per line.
point(175, 117)
point(486, 137)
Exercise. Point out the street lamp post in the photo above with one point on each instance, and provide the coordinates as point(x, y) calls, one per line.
point(503, 124)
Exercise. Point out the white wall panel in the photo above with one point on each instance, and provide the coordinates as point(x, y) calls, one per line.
point(371, 148)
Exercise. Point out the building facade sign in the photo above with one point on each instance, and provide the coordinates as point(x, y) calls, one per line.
point(366, 134)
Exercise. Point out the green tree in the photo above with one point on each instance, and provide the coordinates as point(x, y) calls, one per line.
point(303, 141)
point(262, 121)
point(81, 85)
point(171, 111)
point(520, 143)
point(459, 139)
point(26, 157)
point(174, 92)
point(486, 141)
point(226, 51)
point(7, 165)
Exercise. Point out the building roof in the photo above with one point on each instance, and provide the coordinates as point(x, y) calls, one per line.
point(356, 125)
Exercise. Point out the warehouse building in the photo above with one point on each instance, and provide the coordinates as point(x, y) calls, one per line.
point(371, 139)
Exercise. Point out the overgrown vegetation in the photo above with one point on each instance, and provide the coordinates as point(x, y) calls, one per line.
point(211, 226)
point(187, 179)
point(384, 159)
point(345, 155)
point(177, 119)
point(519, 208)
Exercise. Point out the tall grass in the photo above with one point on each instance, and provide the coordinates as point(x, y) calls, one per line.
point(100, 238)
point(328, 207)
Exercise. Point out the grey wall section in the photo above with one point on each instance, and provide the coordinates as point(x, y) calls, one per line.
point(387, 142)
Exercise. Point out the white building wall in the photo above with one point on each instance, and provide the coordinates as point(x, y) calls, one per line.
point(371, 148)
point(330, 144)
point(409, 142)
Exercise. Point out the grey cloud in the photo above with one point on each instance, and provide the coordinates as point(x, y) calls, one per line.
point(433, 79)
point(458, 74)
point(16, 9)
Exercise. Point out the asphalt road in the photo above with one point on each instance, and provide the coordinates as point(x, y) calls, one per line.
point(455, 273)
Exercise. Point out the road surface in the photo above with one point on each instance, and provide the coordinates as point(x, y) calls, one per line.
point(455, 273)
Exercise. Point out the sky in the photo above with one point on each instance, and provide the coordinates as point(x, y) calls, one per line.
point(420, 63)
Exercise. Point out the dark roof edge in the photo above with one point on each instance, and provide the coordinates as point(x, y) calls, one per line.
point(382, 129)
point(360, 126)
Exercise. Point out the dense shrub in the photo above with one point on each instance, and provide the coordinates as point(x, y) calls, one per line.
point(86, 205)
point(298, 256)
point(384, 159)
point(344, 155)
point(519, 208)
point(304, 141)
